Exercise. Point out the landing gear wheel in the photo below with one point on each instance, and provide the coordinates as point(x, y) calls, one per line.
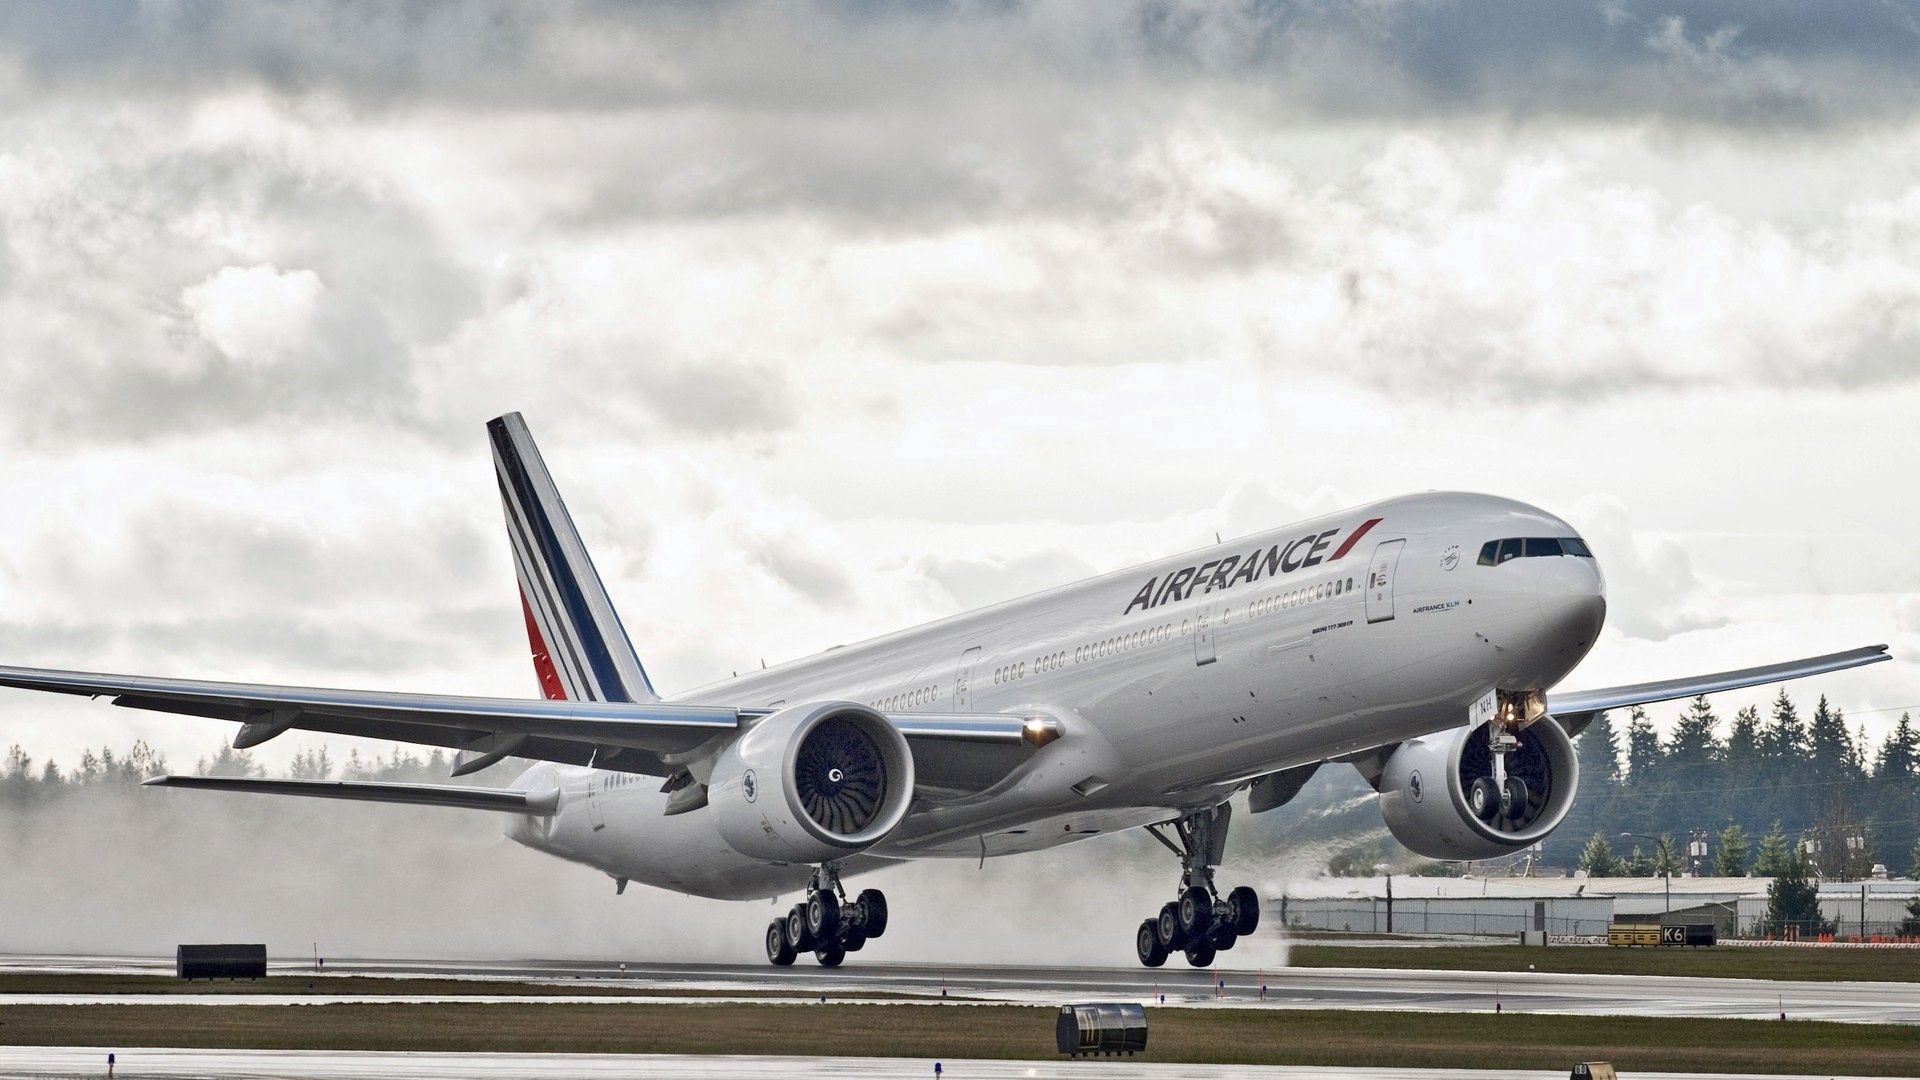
point(799, 938)
point(1483, 798)
point(1146, 942)
point(830, 954)
point(823, 915)
point(874, 903)
point(1169, 927)
point(1195, 912)
point(779, 953)
point(853, 939)
point(1200, 955)
point(1246, 910)
point(1513, 798)
point(1223, 936)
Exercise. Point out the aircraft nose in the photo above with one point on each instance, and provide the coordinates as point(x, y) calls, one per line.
point(1572, 598)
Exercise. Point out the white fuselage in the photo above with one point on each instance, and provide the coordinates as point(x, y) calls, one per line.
point(1170, 697)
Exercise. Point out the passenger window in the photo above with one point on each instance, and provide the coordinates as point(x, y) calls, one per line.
point(1540, 547)
point(1487, 552)
point(1509, 549)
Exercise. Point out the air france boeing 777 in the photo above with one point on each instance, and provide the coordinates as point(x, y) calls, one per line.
point(1418, 639)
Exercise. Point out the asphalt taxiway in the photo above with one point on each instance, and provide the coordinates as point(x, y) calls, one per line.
point(1281, 988)
point(133, 1064)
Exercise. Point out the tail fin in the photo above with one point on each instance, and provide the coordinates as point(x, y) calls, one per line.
point(580, 650)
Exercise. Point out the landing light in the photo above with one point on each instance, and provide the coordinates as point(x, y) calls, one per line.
point(1038, 731)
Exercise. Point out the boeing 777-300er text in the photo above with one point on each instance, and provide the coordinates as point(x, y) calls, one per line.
point(1419, 639)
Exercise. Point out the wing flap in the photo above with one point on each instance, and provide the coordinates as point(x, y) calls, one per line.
point(1585, 702)
point(504, 800)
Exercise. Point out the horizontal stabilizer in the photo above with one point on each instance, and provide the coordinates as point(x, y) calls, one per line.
point(510, 801)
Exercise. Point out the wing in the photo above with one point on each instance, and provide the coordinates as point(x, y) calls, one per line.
point(1576, 710)
point(505, 800)
point(641, 737)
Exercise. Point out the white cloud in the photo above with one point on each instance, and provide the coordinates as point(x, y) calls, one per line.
point(831, 321)
point(254, 314)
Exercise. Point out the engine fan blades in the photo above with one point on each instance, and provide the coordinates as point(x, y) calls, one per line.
point(840, 776)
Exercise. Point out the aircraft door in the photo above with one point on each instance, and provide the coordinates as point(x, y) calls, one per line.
point(1203, 652)
point(1386, 561)
point(961, 677)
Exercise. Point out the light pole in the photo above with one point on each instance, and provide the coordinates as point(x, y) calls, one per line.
point(1666, 869)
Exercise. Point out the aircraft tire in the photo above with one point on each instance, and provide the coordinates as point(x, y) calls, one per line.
point(1196, 913)
point(779, 953)
point(854, 939)
point(1246, 910)
point(1146, 943)
point(1483, 798)
point(823, 915)
point(1200, 955)
point(874, 903)
point(1169, 925)
point(830, 955)
point(799, 938)
point(1513, 797)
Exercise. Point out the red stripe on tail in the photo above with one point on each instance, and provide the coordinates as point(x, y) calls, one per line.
point(1353, 539)
point(550, 687)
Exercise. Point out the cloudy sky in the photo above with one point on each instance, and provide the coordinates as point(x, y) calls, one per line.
point(831, 319)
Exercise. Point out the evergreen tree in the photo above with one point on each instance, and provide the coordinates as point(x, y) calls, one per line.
point(1666, 857)
point(1731, 861)
point(1897, 757)
point(1793, 900)
point(1913, 857)
point(1784, 739)
point(1598, 859)
point(1743, 742)
point(1910, 926)
point(1643, 751)
point(1775, 854)
point(1830, 749)
point(1637, 864)
point(1692, 765)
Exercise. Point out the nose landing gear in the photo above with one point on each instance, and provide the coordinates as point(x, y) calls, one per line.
point(1200, 922)
point(826, 923)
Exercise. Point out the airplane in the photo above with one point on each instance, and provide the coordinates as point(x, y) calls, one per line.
point(1420, 639)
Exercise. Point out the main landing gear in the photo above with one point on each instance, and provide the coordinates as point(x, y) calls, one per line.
point(1200, 922)
point(826, 923)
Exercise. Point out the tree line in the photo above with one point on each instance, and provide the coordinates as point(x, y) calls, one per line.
point(25, 780)
point(1758, 794)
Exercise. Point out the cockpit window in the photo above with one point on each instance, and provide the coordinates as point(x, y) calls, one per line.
point(1494, 552)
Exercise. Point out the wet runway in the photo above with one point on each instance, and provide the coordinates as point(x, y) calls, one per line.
point(1288, 988)
point(133, 1064)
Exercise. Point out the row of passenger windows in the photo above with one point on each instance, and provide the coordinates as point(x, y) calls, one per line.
point(1326, 590)
point(1009, 673)
point(1495, 552)
point(1152, 635)
point(910, 699)
point(609, 781)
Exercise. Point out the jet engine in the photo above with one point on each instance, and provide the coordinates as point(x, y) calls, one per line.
point(812, 783)
point(1440, 796)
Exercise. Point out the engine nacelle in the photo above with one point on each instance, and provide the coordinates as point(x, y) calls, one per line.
point(812, 783)
point(1425, 786)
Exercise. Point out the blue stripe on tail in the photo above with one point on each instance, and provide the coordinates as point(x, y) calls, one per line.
point(589, 628)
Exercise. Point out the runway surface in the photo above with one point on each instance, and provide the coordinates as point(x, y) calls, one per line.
point(1286, 988)
point(133, 1064)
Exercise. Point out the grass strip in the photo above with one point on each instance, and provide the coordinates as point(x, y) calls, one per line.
point(1254, 1037)
point(1730, 962)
